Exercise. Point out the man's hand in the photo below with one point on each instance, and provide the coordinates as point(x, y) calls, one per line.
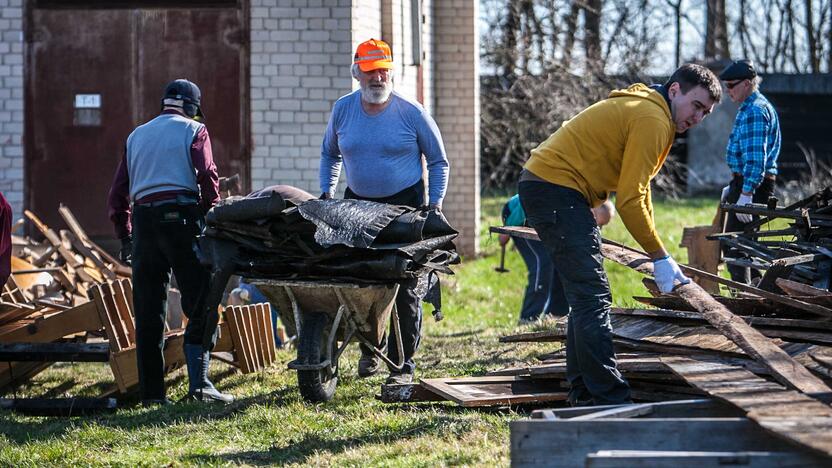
point(126, 252)
point(667, 271)
point(745, 199)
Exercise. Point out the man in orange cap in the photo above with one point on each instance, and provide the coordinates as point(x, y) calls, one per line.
point(380, 138)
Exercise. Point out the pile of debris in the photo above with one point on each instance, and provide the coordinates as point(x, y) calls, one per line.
point(798, 250)
point(744, 378)
point(68, 300)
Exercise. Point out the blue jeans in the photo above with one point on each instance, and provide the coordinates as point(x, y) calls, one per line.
point(544, 291)
point(563, 220)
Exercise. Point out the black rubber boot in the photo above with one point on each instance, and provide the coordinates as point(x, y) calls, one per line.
point(199, 387)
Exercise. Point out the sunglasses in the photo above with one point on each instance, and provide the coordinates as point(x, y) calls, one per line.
point(733, 85)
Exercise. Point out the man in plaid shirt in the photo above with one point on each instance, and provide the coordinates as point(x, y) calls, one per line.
point(752, 152)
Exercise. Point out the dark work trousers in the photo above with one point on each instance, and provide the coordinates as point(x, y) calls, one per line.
point(563, 220)
point(164, 238)
point(544, 291)
point(408, 304)
point(732, 224)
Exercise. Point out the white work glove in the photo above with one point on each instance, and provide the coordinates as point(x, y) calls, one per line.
point(724, 195)
point(744, 200)
point(667, 271)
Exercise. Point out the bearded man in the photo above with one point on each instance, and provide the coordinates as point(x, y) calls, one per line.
point(380, 138)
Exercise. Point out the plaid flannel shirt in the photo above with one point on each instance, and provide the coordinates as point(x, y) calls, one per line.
point(754, 144)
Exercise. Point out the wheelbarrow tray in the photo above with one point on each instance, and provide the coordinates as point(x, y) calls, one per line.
point(368, 305)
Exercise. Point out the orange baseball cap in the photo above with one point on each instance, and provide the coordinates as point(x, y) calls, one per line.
point(373, 54)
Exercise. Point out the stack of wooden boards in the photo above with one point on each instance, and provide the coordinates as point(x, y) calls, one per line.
point(68, 300)
point(718, 380)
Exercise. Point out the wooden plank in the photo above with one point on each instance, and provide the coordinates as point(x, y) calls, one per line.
point(566, 443)
point(737, 305)
point(115, 334)
point(533, 337)
point(125, 308)
point(700, 459)
point(754, 321)
point(76, 229)
point(790, 415)
point(782, 366)
point(702, 253)
point(270, 333)
point(695, 408)
point(54, 352)
point(232, 316)
point(82, 318)
point(64, 407)
point(491, 391)
point(407, 393)
point(793, 288)
point(258, 335)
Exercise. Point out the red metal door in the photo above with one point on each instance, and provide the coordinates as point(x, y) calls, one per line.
point(94, 74)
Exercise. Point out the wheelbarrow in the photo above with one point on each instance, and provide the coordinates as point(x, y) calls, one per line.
point(326, 317)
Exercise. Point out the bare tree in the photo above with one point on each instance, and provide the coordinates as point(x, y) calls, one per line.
point(592, 34)
point(716, 30)
point(677, 17)
point(814, 59)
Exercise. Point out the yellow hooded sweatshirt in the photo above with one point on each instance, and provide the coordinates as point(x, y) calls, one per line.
point(615, 145)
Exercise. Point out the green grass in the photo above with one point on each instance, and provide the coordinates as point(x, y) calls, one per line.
point(270, 425)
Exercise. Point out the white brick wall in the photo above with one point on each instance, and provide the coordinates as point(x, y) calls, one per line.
point(11, 103)
point(300, 58)
point(456, 88)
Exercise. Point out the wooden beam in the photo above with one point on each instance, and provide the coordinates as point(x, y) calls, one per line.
point(701, 459)
point(785, 369)
point(64, 407)
point(566, 443)
point(54, 352)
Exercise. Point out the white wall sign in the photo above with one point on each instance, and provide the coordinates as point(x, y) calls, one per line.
point(87, 101)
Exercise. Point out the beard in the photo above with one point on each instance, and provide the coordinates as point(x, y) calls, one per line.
point(377, 94)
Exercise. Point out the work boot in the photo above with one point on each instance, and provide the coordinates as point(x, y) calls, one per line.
point(200, 388)
point(152, 402)
point(399, 378)
point(368, 365)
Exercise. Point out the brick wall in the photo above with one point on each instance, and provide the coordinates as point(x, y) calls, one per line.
point(300, 58)
point(11, 103)
point(457, 112)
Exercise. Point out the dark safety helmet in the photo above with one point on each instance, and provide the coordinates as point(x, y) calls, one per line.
point(185, 94)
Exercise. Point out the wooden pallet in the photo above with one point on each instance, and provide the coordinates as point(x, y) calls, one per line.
point(252, 335)
point(114, 304)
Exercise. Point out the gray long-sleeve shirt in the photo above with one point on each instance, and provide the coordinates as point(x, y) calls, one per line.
point(381, 153)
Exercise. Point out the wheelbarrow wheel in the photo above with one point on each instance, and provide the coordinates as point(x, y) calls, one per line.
point(315, 385)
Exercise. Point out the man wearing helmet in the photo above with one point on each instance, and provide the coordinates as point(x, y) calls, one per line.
point(380, 138)
point(168, 174)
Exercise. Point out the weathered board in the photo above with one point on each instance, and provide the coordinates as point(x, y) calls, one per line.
point(785, 413)
point(566, 443)
point(495, 390)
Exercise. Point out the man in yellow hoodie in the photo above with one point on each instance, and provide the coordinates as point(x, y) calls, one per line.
point(616, 145)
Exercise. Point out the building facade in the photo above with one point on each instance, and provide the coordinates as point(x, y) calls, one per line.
point(270, 71)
